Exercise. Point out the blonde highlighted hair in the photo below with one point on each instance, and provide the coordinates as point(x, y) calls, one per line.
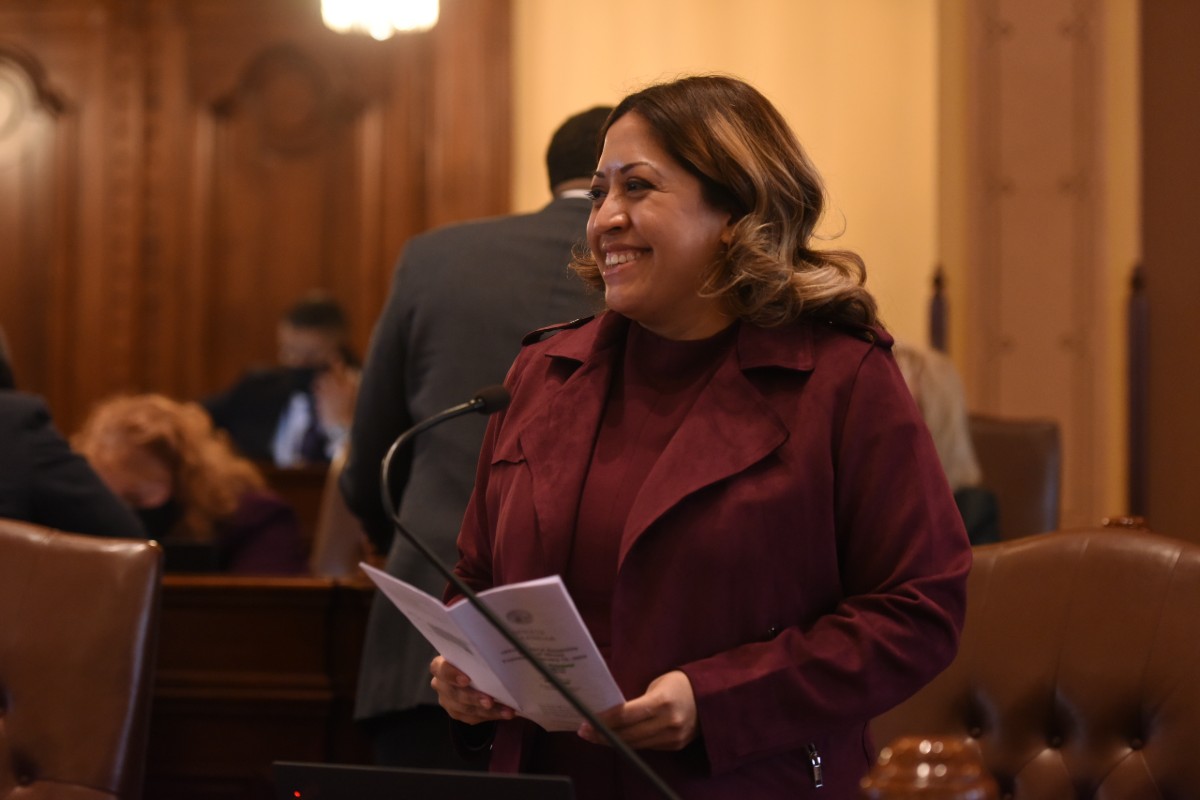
point(749, 163)
point(207, 478)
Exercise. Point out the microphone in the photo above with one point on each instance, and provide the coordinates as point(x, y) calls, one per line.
point(490, 400)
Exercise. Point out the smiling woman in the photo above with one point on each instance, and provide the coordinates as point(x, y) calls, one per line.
point(728, 471)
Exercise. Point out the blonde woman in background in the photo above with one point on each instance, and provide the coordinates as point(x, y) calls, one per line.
point(164, 459)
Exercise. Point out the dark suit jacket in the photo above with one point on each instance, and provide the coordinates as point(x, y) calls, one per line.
point(250, 410)
point(462, 297)
point(43, 481)
point(796, 550)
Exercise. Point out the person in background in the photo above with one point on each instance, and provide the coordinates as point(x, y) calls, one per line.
point(299, 412)
point(43, 481)
point(938, 390)
point(461, 299)
point(164, 459)
point(728, 472)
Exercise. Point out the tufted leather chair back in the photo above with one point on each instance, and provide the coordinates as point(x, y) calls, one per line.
point(1079, 668)
point(78, 619)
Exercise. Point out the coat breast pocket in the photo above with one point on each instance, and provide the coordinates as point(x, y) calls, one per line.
point(511, 511)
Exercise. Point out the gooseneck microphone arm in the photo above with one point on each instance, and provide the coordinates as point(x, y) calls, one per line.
point(489, 400)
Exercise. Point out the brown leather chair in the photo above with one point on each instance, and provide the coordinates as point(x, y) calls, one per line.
point(78, 620)
point(1079, 669)
point(1021, 461)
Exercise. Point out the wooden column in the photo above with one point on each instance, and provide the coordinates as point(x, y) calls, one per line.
point(1170, 207)
point(1035, 290)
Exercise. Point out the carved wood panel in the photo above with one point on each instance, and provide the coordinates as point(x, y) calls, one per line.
point(28, 181)
point(175, 173)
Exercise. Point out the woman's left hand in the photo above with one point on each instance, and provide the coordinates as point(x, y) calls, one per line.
point(664, 718)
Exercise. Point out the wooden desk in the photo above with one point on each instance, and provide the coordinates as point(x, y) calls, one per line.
point(250, 671)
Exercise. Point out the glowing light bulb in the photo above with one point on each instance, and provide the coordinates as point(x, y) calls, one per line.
point(379, 19)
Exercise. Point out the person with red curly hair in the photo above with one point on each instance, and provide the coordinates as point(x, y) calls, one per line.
point(181, 476)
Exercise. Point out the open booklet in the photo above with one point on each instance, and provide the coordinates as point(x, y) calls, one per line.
point(543, 617)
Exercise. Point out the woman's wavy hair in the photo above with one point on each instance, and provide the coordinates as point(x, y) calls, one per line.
point(208, 479)
point(749, 163)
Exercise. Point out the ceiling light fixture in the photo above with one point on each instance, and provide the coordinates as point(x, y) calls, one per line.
point(379, 19)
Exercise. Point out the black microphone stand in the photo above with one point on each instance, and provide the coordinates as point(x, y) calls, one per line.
point(488, 401)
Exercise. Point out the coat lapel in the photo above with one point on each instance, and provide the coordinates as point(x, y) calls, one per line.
point(730, 428)
point(558, 440)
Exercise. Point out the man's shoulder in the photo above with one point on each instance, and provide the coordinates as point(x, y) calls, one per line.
point(256, 394)
point(263, 379)
point(554, 215)
point(16, 405)
point(455, 231)
point(25, 420)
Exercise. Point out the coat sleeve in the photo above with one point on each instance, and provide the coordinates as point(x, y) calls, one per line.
point(381, 413)
point(902, 561)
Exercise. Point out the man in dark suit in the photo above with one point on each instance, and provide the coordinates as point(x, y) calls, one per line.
point(299, 412)
point(44, 482)
point(461, 300)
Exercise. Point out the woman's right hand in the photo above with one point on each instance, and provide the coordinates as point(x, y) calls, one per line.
point(461, 702)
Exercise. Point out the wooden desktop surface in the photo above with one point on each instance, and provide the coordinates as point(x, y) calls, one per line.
point(250, 671)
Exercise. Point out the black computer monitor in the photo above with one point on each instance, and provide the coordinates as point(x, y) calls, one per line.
point(308, 781)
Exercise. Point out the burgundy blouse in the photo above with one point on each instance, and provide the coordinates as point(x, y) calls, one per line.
point(650, 395)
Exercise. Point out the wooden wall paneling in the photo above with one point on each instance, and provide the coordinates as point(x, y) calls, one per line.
point(290, 177)
point(207, 161)
point(1138, 370)
point(470, 149)
point(30, 170)
point(272, 179)
point(396, 176)
point(1035, 277)
point(281, 202)
point(80, 316)
point(107, 325)
point(166, 354)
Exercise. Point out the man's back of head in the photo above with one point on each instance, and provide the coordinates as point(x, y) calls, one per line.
point(571, 155)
